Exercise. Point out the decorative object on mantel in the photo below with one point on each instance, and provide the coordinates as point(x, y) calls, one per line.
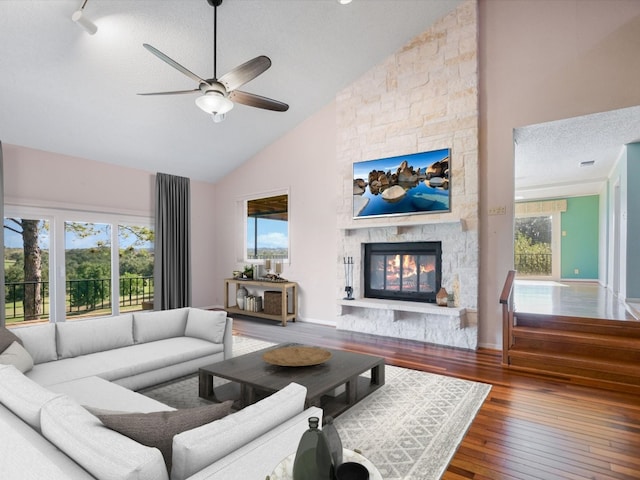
point(296, 356)
point(451, 300)
point(441, 297)
point(348, 277)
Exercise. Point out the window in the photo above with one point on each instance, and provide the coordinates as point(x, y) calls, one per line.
point(26, 269)
point(105, 265)
point(267, 228)
point(533, 245)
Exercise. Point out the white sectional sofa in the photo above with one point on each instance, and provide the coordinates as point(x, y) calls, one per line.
point(50, 416)
point(133, 350)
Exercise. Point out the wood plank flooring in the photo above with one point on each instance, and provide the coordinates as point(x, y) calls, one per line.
point(530, 427)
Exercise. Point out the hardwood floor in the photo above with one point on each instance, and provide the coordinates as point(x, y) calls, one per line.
point(530, 426)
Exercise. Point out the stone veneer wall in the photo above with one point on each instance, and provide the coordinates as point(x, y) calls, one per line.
point(425, 97)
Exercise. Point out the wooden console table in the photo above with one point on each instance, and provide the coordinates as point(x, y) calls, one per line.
point(284, 287)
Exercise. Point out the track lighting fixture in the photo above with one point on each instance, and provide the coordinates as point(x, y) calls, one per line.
point(84, 22)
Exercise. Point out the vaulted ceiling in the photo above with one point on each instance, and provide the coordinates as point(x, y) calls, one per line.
point(64, 91)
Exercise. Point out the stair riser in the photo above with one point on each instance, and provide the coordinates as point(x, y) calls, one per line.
point(571, 347)
point(568, 369)
point(615, 330)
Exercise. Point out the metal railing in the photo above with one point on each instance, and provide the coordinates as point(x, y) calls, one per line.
point(81, 297)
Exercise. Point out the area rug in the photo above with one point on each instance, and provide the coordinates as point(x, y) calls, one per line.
point(410, 428)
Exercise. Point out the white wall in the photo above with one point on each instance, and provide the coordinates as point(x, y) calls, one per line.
point(303, 161)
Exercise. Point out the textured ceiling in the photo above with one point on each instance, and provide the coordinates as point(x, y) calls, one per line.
point(64, 91)
point(548, 156)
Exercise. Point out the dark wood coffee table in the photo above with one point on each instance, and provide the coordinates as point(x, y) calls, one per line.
point(256, 379)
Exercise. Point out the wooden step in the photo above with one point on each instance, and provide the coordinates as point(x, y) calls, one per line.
point(614, 372)
point(622, 328)
point(579, 343)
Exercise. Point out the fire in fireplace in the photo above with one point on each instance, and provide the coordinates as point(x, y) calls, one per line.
point(403, 271)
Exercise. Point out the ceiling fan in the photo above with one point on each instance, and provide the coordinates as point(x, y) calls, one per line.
point(219, 94)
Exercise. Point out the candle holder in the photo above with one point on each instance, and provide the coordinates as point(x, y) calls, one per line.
point(348, 277)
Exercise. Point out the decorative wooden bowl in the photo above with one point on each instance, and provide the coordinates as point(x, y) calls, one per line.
point(296, 356)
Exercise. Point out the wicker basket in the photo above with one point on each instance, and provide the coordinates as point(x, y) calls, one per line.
point(273, 302)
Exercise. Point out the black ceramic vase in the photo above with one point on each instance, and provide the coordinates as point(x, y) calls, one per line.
point(333, 439)
point(313, 458)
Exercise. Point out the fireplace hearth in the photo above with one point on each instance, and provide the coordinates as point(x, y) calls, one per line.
point(403, 271)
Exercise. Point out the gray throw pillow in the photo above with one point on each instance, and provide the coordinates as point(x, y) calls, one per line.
point(156, 429)
point(7, 337)
point(16, 355)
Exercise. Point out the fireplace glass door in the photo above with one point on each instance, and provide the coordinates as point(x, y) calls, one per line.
point(403, 271)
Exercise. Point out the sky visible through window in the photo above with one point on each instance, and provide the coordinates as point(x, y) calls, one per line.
point(72, 240)
point(271, 234)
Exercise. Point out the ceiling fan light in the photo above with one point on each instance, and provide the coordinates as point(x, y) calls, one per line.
point(84, 22)
point(214, 103)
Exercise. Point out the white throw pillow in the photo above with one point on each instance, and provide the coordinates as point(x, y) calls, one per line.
point(39, 341)
point(105, 454)
point(80, 337)
point(23, 396)
point(206, 324)
point(152, 326)
point(16, 355)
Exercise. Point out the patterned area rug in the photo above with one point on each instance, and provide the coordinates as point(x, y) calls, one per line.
point(410, 428)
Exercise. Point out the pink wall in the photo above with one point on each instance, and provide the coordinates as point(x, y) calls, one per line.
point(541, 61)
point(43, 179)
point(304, 161)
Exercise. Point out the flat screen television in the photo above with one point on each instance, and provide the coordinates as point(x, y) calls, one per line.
point(402, 185)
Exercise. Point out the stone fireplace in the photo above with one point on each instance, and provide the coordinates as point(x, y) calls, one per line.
point(409, 271)
point(422, 98)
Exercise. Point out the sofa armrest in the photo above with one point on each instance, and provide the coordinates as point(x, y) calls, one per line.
point(265, 452)
point(195, 449)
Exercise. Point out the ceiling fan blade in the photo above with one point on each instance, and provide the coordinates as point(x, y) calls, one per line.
point(253, 100)
point(173, 63)
point(245, 72)
point(175, 92)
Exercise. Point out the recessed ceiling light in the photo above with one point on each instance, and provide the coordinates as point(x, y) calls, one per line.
point(344, 2)
point(587, 163)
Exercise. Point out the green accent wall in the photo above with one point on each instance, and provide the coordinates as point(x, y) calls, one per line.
point(633, 220)
point(579, 240)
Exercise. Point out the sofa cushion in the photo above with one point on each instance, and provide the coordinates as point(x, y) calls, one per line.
point(22, 396)
point(7, 337)
point(79, 337)
point(206, 324)
point(16, 355)
point(96, 393)
point(104, 453)
point(194, 449)
point(157, 429)
point(151, 326)
point(126, 361)
point(39, 341)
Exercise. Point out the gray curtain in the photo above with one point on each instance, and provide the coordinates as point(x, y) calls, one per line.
point(172, 269)
point(2, 311)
